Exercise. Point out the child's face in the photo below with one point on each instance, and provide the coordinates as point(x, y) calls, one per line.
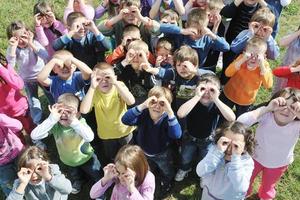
point(23, 36)
point(156, 108)
point(285, 116)
point(197, 30)
point(104, 75)
point(164, 53)
point(250, 2)
point(183, 71)
point(82, 30)
point(69, 112)
point(33, 164)
point(121, 170)
point(235, 139)
point(129, 37)
point(261, 30)
point(212, 15)
point(253, 62)
point(168, 20)
point(130, 18)
point(64, 72)
point(138, 59)
point(210, 89)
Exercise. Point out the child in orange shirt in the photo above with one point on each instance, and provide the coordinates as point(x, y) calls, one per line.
point(247, 72)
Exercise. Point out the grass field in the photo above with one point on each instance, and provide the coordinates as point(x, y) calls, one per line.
point(289, 186)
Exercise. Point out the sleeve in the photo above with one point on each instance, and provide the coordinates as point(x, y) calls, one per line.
point(61, 42)
point(67, 11)
point(249, 119)
point(166, 74)
point(220, 44)
point(102, 40)
point(231, 70)
point(13, 124)
point(229, 11)
point(239, 172)
point(59, 182)
point(41, 36)
point(210, 162)
point(98, 190)
point(58, 25)
point(239, 43)
point(146, 191)
point(273, 48)
point(115, 55)
point(11, 77)
point(42, 130)
point(169, 28)
point(99, 12)
point(42, 52)
point(174, 130)
point(283, 71)
point(107, 31)
point(11, 60)
point(267, 78)
point(88, 11)
point(119, 69)
point(131, 117)
point(14, 195)
point(83, 129)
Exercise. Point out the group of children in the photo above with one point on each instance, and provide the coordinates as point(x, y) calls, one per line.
point(127, 95)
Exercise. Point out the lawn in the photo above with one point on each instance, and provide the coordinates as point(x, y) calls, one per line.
point(289, 186)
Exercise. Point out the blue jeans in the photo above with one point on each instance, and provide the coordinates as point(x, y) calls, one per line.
point(190, 147)
point(164, 162)
point(31, 89)
point(276, 8)
point(8, 174)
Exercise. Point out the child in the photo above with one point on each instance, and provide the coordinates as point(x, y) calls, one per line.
point(291, 73)
point(47, 27)
point(67, 80)
point(157, 127)
point(260, 26)
point(109, 97)
point(84, 40)
point(131, 73)
point(160, 6)
point(197, 35)
point(79, 6)
point(164, 53)
point(13, 103)
point(10, 148)
point(30, 57)
point(130, 175)
point(38, 179)
point(277, 134)
point(204, 107)
point(72, 136)
point(247, 73)
point(226, 169)
point(109, 6)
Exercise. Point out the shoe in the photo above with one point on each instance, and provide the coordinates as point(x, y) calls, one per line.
point(76, 187)
point(181, 174)
point(40, 144)
point(165, 188)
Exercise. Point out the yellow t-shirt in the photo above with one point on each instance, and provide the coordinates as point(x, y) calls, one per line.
point(109, 109)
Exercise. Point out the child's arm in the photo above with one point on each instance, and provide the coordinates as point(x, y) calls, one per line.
point(13, 124)
point(218, 43)
point(64, 40)
point(10, 76)
point(39, 31)
point(288, 39)
point(124, 93)
point(11, 51)
point(43, 76)
point(101, 9)
point(87, 100)
point(38, 49)
point(84, 69)
point(226, 111)
point(179, 7)
point(83, 129)
point(100, 38)
point(272, 48)
point(285, 71)
point(239, 43)
point(87, 10)
point(266, 73)
point(155, 9)
point(236, 65)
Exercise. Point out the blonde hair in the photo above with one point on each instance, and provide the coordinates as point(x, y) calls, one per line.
point(32, 152)
point(69, 99)
point(186, 53)
point(265, 16)
point(62, 53)
point(215, 4)
point(158, 92)
point(128, 3)
point(138, 45)
point(170, 13)
point(257, 42)
point(197, 16)
point(103, 65)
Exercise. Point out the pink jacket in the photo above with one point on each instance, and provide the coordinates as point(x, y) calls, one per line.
point(87, 10)
point(12, 102)
point(10, 143)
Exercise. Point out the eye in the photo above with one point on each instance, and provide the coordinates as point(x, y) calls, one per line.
point(235, 146)
point(212, 89)
point(202, 88)
point(225, 143)
point(162, 104)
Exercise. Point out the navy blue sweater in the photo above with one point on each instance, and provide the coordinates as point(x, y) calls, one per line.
point(152, 138)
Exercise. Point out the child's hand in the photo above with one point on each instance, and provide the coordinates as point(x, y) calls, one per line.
point(254, 27)
point(247, 55)
point(200, 90)
point(237, 147)
point(136, 12)
point(166, 106)
point(129, 56)
point(129, 179)
point(95, 79)
point(37, 19)
point(190, 67)
point(148, 103)
point(50, 16)
point(170, 60)
point(90, 25)
point(110, 172)
point(72, 113)
point(223, 143)
point(112, 78)
point(188, 32)
point(42, 169)
point(25, 175)
point(295, 109)
point(74, 28)
point(56, 110)
point(278, 103)
point(159, 60)
point(214, 92)
point(147, 67)
point(295, 69)
point(208, 32)
point(13, 42)
point(123, 12)
point(30, 37)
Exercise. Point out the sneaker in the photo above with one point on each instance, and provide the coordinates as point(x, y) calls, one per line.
point(181, 174)
point(76, 187)
point(40, 144)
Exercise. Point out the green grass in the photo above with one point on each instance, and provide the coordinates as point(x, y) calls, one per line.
point(287, 189)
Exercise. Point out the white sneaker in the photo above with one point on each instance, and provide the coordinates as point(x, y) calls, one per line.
point(181, 174)
point(76, 187)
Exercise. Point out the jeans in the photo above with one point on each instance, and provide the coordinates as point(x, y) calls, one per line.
point(164, 162)
point(31, 89)
point(190, 147)
point(239, 109)
point(7, 176)
point(276, 8)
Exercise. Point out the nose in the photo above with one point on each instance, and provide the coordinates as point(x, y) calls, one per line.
point(229, 149)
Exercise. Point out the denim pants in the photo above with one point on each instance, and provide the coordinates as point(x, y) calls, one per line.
point(164, 162)
point(276, 8)
point(190, 147)
point(31, 89)
point(8, 174)
point(92, 168)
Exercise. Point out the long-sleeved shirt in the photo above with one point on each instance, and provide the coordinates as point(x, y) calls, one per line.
point(29, 62)
point(143, 192)
point(72, 142)
point(238, 45)
point(244, 84)
point(87, 10)
point(58, 188)
point(12, 103)
point(10, 143)
point(202, 45)
point(47, 36)
point(275, 144)
point(90, 49)
point(293, 79)
point(225, 180)
point(153, 138)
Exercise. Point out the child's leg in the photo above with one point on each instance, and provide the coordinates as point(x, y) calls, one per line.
point(7, 176)
point(92, 168)
point(31, 89)
point(270, 177)
point(189, 148)
point(48, 94)
point(257, 169)
point(241, 109)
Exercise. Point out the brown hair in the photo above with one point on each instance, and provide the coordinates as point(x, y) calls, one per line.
point(73, 16)
point(128, 3)
point(257, 42)
point(158, 91)
point(215, 4)
point(131, 28)
point(237, 128)
point(265, 16)
point(42, 7)
point(32, 152)
point(14, 26)
point(210, 78)
point(291, 92)
point(296, 63)
point(164, 43)
point(69, 99)
point(170, 13)
point(103, 65)
point(197, 16)
point(133, 157)
point(186, 53)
